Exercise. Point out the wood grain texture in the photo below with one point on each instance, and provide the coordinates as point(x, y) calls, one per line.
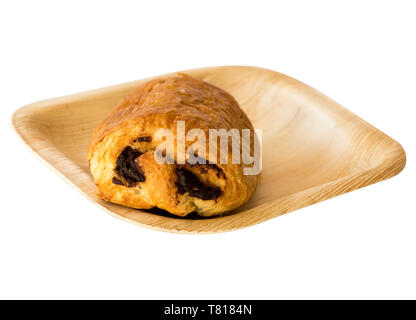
point(313, 148)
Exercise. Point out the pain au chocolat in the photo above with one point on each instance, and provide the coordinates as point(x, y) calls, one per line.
point(122, 160)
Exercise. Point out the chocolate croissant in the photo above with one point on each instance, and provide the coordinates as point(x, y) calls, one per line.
point(123, 153)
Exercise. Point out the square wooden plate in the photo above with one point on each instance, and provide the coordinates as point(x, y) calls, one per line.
point(313, 148)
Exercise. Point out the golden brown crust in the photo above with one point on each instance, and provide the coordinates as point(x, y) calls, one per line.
point(161, 103)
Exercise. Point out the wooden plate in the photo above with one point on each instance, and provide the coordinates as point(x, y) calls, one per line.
point(313, 148)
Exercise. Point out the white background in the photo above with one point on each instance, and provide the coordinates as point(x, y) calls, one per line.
point(54, 243)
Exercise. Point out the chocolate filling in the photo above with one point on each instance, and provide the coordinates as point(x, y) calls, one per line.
point(188, 182)
point(143, 139)
point(217, 169)
point(127, 168)
point(205, 166)
point(117, 181)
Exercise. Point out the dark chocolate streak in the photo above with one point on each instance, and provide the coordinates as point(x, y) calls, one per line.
point(188, 182)
point(205, 166)
point(213, 166)
point(127, 168)
point(143, 139)
point(117, 181)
